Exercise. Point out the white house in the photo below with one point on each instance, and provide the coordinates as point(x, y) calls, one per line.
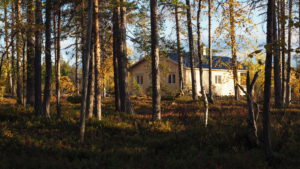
point(222, 76)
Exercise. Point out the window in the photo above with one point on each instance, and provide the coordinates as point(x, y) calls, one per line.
point(171, 79)
point(218, 79)
point(139, 79)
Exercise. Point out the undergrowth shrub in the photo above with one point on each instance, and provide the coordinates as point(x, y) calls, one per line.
point(74, 99)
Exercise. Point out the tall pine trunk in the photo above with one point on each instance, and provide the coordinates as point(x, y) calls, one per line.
point(191, 48)
point(289, 60)
point(30, 54)
point(283, 51)
point(203, 93)
point(58, 71)
point(156, 97)
point(210, 52)
point(18, 50)
point(179, 52)
point(7, 45)
point(116, 24)
point(91, 86)
point(122, 60)
point(38, 58)
point(47, 88)
point(86, 64)
point(268, 77)
point(233, 48)
point(97, 53)
point(277, 69)
point(76, 66)
point(24, 72)
point(13, 59)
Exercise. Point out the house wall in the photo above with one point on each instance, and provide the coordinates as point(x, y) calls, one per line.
point(167, 66)
point(144, 69)
point(226, 88)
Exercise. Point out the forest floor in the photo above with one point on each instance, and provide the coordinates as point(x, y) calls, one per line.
point(122, 141)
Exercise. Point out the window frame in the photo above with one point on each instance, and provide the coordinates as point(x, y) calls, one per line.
point(139, 79)
point(172, 78)
point(218, 79)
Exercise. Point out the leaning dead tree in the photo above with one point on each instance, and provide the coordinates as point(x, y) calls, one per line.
point(253, 109)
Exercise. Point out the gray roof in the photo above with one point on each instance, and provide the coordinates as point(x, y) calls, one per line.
point(219, 62)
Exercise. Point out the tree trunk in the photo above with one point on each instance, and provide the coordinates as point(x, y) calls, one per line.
point(179, 53)
point(252, 117)
point(58, 74)
point(210, 53)
point(97, 56)
point(47, 89)
point(116, 52)
point(121, 62)
point(203, 93)
point(83, 31)
point(156, 97)
point(86, 64)
point(24, 71)
point(268, 76)
point(76, 66)
point(233, 48)
point(91, 87)
point(283, 49)
point(38, 58)
point(6, 39)
point(19, 47)
point(277, 70)
point(13, 59)
point(191, 48)
point(289, 60)
point(30, 54)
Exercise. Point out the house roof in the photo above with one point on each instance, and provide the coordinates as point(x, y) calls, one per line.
point(219, 62)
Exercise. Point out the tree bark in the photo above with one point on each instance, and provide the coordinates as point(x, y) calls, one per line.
point(30, 54)
point(91, 87)
point(179, 51)
point(122, 60)
point(86, 64)
point(283, 51)
point(6, 39)
point(156, 97)
point(13, 59)
point(47, 88)
point(115, 57)
point(203, 93)
point(76, 66)
point(277, 70)
point(233, 48)
point(24, 71)
point(58, 70)
point(97, 56)
point(268, 75)
point(210, 53)
point(252, 118)
point(18, 50)
point(289, 60)
point(38, 58)
point(191, 48)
